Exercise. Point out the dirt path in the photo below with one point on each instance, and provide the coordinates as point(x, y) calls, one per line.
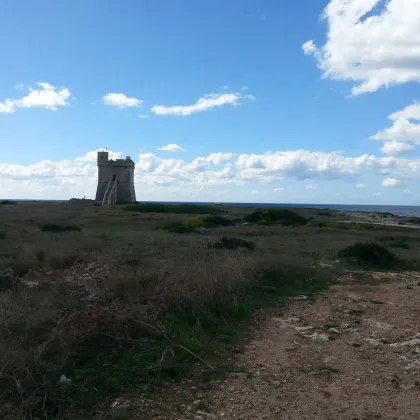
point(352, 354)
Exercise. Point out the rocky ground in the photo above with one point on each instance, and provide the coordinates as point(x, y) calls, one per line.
point(352, 354)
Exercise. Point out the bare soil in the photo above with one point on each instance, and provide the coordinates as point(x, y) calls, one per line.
point(352, 354)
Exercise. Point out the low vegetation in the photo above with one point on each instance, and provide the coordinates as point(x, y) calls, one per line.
point(208, 221)
point(173, 208)
point(125, 303)
point(281, 216)
point(7, 202)
point(232, 243)
point(370, 254)
point(52, 227)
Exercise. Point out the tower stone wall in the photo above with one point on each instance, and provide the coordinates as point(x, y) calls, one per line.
point(115, 180)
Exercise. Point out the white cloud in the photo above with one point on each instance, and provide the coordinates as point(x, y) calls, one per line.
point(205, 103)
point(392, 182)
point(407, 191)
point(310, 187)
point(143, 116)
point(360, 185)
point(397, 148)
point(120, 100)
point(370, 42)
point(278, 190)
point(376, 194)
point(46, 96)
point(172, 147)
point(402, 129)
point(410, 112)
point(165, 176)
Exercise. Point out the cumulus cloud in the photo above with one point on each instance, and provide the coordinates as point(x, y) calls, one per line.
point(76, 177)
point(172, 147)
point(360, 185)
point(278, 190)
point(45, 96)
point(119, 100)
point(205, 103)
point(376, 194)
point(370, 42)
point(410, 112)
point(403, 129)
point(391, 182)
point(397, 148)
point(310, 187)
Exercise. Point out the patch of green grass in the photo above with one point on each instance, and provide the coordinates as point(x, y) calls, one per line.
point(281, 216)
point(52, 227)
point(370, 254)
point(208, 221)
point(232, 243)
point(172, 208)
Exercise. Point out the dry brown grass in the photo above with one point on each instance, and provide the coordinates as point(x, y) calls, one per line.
point(121, 303)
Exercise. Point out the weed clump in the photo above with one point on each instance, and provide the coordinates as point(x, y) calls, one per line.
point(232, 243)
point(272, 216)
point(370, 254)
point(52, 227)
point(208, 221)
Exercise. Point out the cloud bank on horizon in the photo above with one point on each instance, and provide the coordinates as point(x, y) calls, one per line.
point(371, 46)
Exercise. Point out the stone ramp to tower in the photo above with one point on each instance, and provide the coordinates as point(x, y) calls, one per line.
point(110, 196)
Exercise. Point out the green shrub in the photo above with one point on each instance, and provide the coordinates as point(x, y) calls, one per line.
point(7, 202)
point(232, 243)
point(172, 208)
point(2, 235)
point(370, 254)
point(178, 227)
point(283, 216)
point(208, 221)
point(52, 227)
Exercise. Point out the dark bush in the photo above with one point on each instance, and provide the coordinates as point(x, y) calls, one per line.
point(178, 227)
point(7, 202)
point(51, 227)
point(326, 213)
point(2, 235)
point(232, 243)
point(172, 208)
point(281, 216)
point(370, 254)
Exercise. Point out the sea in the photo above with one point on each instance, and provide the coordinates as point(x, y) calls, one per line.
point(399, 210)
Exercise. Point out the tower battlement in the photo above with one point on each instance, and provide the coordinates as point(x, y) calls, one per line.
point(115, 180)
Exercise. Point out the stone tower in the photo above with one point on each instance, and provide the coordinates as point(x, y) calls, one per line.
point(115, 180)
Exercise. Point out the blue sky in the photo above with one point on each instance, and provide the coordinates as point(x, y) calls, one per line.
point(259, 101)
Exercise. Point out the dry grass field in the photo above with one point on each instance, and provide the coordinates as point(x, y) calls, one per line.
point(97, 302)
